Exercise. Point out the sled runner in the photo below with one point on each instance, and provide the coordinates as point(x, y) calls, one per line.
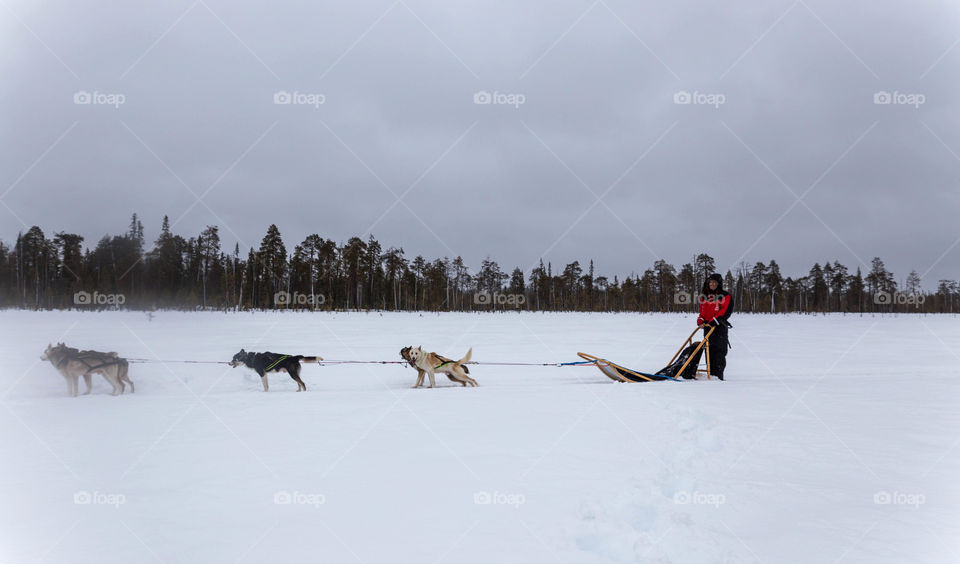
point(619, 373)
point(685, 364)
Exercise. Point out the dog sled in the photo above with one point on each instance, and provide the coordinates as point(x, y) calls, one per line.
point(685, 364)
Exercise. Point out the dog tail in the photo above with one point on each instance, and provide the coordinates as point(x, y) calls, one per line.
point(466, 357)
point(309, 358)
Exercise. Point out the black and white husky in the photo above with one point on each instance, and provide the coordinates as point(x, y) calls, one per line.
point(266, 362)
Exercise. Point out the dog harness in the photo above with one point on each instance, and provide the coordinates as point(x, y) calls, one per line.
point(278, 361)
point(84, 358)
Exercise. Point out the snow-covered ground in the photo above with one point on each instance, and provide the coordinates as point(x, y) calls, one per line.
point(834, 438)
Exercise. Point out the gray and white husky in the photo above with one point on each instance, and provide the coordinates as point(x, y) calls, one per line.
point(73, 363)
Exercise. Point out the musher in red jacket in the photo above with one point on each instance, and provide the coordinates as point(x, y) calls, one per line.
point(716, 305)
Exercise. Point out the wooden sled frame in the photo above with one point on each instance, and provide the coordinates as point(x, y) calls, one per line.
point(704, 344)
point(616, 372)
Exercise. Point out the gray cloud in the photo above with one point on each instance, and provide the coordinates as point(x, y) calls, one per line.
point(798, 82)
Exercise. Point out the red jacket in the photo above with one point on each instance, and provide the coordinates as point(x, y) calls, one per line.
point(713, 306)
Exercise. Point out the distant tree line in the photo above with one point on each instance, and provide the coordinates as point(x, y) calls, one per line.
point(191, 273)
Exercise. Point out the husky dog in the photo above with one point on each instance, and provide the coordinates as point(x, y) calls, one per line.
point(73, 363)
point(266, 362)
point(405, 355)
point(428, 363)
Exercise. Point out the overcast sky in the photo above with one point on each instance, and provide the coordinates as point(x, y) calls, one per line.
point(583, 153)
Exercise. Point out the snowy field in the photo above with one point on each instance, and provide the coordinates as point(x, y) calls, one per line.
point(834, 439)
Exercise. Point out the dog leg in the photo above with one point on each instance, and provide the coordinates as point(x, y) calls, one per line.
point(464, 378)
point(125, 375)
point(432, 381)
point(263, 378)
point(87, 379)
point(295, 374)
point(111, 375)
point(114, 383)
point(420, 375)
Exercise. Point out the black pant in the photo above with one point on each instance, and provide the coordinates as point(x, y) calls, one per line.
point(719, 343)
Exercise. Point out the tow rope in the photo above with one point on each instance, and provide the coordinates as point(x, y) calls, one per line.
point(141, 360)
point(472, 362)
point(333, 362)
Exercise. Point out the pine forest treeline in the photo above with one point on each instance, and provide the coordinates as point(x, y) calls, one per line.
point(38, 272)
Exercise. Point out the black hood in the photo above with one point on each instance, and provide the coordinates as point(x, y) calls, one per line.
point(706, 283)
